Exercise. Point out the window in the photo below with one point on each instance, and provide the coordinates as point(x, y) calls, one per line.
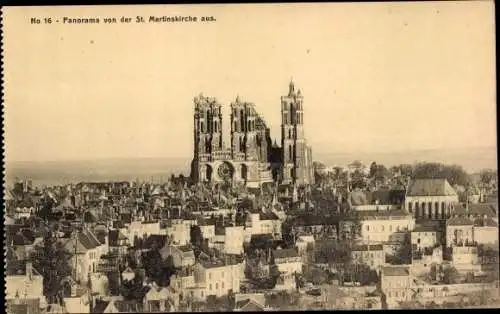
point(210, 287)
point(222, 285)
point(216, 286)
point(367, 228)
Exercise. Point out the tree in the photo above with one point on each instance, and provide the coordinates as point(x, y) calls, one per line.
point(47, 205)
point(131, 290)
point(373, 170)
point(358, 179)
point(51, 259)
point(451, 275)
point(158, 269)
point(381, 173)
point(455, 174)
point(196, 236)
point(487, 175)
point(404, 253)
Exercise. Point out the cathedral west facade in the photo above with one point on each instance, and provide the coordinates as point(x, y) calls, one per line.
point(251, 158)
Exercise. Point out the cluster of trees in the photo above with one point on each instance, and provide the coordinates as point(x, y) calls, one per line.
point(361, 273)
point(378, 172)
point(225, 303)
point(455, 174)
point(157, 268)
point(198, 242)
point(404, 253)
point(447, 275)
point(46, 211)
point(315, 275)
point(133, 289)
point(487, 176)
point(52, 260)
point(283, 300)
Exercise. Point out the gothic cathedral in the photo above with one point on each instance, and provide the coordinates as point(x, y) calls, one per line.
point(251, 159)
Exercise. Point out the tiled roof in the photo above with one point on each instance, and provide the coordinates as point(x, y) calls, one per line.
point(100, 306)
point(285, 253)
point(159, 240)
point(220, 231)
point(205, 221)
point(381, 214)
point(185, 248)
point(17, 308)
point(114, 236)
point(368, 247)
point(126, 217)
point(249, 305)
point(93, 239)
point(426, 228)
point(483, 210)
point(459, 221)
point(482, 222)
point(385, 197)
point(84, 242)
point(430, 187)
point(125, 306)
point(20, 239)
point(16, 268)
point(268, 216)
point(395, 271)
point(313, 220)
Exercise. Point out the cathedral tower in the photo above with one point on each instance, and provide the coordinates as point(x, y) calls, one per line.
point(207, 135)
point(297, 159)
point(244, 131)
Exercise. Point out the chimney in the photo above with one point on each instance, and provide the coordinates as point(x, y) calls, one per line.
point(29, 270)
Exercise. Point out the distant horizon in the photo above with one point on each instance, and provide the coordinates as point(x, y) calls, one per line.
point(445, 156)
point(361, 152)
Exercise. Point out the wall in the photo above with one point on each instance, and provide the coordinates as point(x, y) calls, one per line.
point(467, 234)
point(233, 241)
point(486, 235)
point(427, 238)
point(380, 230)
point(448, 201)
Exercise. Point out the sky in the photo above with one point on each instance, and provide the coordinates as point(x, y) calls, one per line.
point(376, 77)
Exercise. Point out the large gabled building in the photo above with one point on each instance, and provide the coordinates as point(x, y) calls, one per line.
point(433, 199)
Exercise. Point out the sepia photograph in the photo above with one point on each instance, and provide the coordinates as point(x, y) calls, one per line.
point(250, 157)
